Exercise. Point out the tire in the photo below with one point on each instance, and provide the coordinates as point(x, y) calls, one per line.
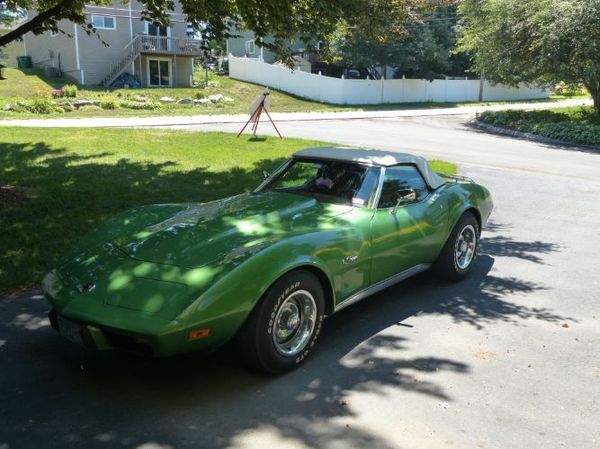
point(284, 326)
point(459, 253)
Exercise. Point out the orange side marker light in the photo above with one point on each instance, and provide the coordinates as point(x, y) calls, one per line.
point(199, 333)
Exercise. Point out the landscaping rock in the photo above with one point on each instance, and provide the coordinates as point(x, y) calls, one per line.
point(228, 100)
point(216, 98)
point(140, 98)
point(80, 103)
point(167, 99)
point(202, 101)
point(66, 105)
point(185, 101)
point(8, 107)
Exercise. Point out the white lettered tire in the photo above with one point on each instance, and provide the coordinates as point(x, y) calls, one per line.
point(460, 251)
point(284, 326)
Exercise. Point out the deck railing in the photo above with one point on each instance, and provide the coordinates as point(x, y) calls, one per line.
point(174, 45)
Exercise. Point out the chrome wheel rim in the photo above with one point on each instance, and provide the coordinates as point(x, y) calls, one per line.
point(464, 249)
point(294, 323)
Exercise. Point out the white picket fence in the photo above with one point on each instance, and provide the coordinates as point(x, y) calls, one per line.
point(345, 91)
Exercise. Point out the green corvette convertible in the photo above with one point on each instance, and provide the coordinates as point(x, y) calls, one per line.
point(329, 227)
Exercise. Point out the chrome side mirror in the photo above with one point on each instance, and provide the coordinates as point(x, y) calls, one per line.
point(405, 196)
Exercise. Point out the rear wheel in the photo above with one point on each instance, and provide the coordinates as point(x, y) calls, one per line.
point(284, 326)
point(458, 256)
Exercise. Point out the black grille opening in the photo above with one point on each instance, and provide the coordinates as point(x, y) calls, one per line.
point(127, 343)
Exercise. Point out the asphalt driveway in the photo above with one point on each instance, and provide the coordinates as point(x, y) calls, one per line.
point(509, 358)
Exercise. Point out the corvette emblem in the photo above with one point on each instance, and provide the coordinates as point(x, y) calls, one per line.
point(349, 259)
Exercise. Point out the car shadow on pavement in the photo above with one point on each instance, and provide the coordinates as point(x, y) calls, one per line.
point(56, 394)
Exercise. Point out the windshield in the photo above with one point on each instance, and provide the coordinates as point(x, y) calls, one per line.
point(328, 181)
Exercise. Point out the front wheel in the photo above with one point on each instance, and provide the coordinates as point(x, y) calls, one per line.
point(458, 256)
point(285, 325)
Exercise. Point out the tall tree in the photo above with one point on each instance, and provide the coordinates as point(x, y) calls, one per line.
point(426, 52)
point(417, 43)
point(534, 41)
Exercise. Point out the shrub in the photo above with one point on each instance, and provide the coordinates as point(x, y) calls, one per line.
point(203, 84)
point(40, 106)
point(57, 93)
point(109, 102)
point(199, 95)
point(578, 126)
point(148, 105)
point(70, 90)
point(16, 107)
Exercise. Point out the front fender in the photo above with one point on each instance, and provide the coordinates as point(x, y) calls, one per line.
point(229, 301)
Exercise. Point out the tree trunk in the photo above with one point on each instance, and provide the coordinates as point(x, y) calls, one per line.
point(596, 98)
point(593, 87)
point(36, 22)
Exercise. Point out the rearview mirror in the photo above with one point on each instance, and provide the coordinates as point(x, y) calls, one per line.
point(405, 196)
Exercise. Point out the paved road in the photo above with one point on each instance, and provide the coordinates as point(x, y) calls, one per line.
point(485, 363)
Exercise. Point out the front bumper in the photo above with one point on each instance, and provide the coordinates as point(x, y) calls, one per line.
point(100, 337)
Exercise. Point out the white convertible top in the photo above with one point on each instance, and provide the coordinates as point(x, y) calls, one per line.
point(373, 157)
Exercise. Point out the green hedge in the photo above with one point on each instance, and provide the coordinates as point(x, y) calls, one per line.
point(573, 125)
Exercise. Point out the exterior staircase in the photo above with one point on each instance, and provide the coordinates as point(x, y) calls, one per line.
point(130, 52)
point(146, 44)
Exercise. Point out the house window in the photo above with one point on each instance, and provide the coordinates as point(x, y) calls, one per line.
point(104, 22)
point(250, 47)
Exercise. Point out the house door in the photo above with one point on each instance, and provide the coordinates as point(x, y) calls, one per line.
point(160, 34)
point(159, 72)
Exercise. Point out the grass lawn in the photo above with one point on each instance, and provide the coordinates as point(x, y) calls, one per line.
point(29, 84)
point(65, 181)
point(577, 125)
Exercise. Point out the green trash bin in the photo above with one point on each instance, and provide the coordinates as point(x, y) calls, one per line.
point(24, 62)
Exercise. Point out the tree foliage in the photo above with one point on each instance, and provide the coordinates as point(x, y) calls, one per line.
point(280, 20)
point(534, 41)
point(10, 17)
point(427, 50)
point(416, 44)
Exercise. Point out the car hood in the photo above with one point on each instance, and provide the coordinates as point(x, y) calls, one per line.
point(194, 235)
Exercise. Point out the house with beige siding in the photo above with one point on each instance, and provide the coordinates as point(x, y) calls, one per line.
point(10, 52)
point(158, 56)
